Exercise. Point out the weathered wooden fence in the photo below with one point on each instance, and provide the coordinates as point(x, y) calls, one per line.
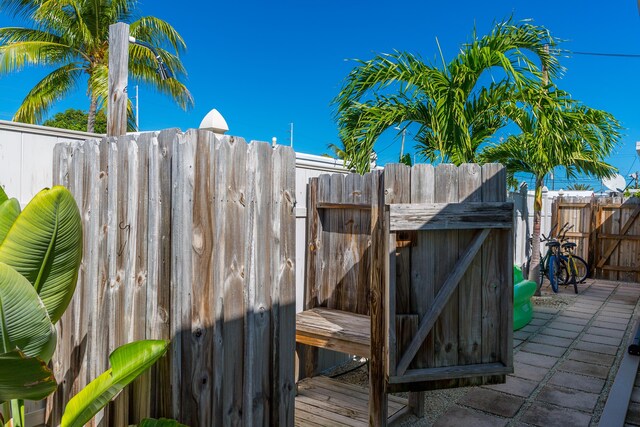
point(607, 231)
point(412, 267)
point(188, 237)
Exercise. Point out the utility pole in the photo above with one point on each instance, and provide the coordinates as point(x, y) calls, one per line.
point(118, 79)
point(137, 111)
point(404, 134)
point(291, 136)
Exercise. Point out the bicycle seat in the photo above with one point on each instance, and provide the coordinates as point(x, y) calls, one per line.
point(569, 245)
point(553, 244)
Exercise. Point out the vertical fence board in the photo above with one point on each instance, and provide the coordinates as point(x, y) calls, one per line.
point(55, 403)
point(423, 260)
point(446, 328)
point(140, 389)
point(99, 351)
point(93, 189)
point(325, 288)
point(497, 320)
point(202, 306)
point(258, 261)
point(181, 279)
point(334, 228)
point(470, 308)
point(627, 256)
point(122, 292)
point(283, 291)
point(397, 182)
point(232, 188)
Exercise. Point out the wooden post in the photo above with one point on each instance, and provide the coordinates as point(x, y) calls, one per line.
point(377, 367)
point(118, 79)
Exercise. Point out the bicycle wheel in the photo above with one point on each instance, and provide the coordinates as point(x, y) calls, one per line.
point(554, 272)
point(582, 269)
point(563, 271)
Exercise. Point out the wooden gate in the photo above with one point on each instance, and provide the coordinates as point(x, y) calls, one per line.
point(412, 267)
point(578, 212)
point(450, 320)
point(617, 252)
point(607, 231)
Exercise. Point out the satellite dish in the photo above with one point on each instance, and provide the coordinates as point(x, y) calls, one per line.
point(616, 183)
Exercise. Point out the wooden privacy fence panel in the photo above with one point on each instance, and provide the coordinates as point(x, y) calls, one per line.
point(451, 313)
point(578, 212)
point(617, 249)
point(188, 237)
point(607, 231)
point(420, 252)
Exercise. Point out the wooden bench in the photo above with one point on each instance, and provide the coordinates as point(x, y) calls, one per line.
point(335, 330)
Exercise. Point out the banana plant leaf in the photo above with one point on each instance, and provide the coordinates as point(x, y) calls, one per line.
point(23, 377)
point(127, 363)
point(3, 195)
point(9, 211)
point(24, 322)
point(45, 246)
point(162, 422)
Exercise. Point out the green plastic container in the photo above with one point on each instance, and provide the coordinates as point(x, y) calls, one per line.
point(523, 290)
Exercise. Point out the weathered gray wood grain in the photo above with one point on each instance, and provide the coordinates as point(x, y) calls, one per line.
point(118, 79)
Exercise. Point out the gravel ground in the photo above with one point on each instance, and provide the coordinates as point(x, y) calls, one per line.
point(437, 402)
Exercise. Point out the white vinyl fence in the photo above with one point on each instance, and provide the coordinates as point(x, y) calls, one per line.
point(26, 156)
point(523, 220)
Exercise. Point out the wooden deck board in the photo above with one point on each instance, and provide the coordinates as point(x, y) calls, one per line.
point(334, 329)
point(328, 402)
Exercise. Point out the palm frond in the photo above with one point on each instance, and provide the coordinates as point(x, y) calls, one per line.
point(50, 89)
point(158, 33)
point(16, 56)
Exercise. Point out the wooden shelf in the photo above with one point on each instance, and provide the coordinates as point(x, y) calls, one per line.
point(335, 330)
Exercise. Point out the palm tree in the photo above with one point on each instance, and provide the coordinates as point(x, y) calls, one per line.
point(72, 37)
point(579, 187)
point(454, 114)
point(555, 131)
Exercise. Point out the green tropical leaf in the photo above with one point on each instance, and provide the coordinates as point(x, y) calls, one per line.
point(127, 363)
point(9, 211)
point(162, 422)
point(23, 377)
point(24, 322)
point(45, 246)
point(3, 195)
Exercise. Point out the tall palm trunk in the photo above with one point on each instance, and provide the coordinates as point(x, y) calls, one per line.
point(534, 265)
point(91, 117)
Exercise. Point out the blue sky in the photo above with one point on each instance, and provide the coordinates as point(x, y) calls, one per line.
point(265, 65)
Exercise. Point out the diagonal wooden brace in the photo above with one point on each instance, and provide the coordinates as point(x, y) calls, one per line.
point(441, 300)
point(612, 247)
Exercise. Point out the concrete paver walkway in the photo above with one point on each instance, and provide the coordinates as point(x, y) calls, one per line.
point(565, 361)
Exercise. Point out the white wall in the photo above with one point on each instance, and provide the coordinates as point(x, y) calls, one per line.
point(26, 157)
point(523, 217)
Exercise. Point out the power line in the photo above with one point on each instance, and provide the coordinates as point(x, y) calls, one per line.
point(613, 55)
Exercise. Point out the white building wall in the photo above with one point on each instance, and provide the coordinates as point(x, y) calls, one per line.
point(26, 157)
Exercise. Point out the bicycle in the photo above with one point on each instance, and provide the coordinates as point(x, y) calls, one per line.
point(574, 269)
point(559, 264)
